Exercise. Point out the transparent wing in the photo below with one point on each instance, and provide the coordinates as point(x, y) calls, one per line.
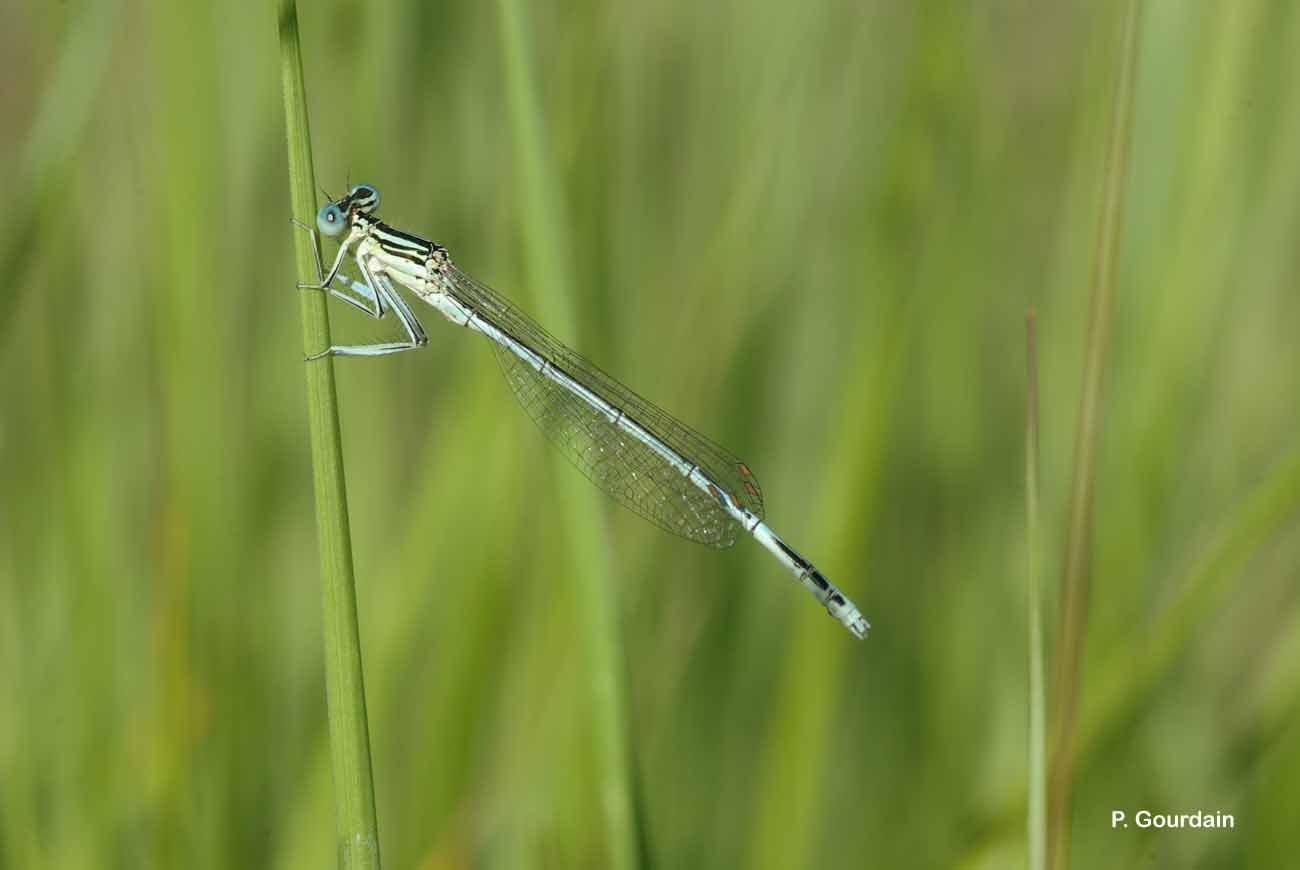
point(630, 470)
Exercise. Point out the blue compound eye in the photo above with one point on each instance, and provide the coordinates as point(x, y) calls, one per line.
point(330, 221)
point(364, 197)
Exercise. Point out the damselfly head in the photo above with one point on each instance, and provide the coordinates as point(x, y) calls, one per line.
point(363, 197)
point(331, 220)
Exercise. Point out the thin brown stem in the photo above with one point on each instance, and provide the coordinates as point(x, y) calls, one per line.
point(1036, 807)
point(1078, 544)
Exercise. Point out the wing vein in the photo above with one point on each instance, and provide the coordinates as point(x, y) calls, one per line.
point(602, 442)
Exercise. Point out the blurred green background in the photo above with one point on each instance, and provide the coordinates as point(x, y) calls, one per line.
point(811, 230)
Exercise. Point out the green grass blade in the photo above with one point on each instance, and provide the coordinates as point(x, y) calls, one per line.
point(544, 231)
point(1128, 679)
point(354, 793)
point(52, 148)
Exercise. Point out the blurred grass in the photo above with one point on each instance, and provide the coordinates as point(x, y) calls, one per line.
point(585, 560)
point(811, 232)
point(1077, 554)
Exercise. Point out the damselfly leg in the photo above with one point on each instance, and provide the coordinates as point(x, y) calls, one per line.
point(372, 306)
point(377, 290)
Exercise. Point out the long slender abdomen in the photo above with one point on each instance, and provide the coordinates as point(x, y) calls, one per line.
point(837, 604)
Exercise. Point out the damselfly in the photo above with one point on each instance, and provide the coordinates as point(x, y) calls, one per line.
point(639, 454)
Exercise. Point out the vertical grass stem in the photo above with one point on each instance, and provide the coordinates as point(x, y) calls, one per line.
point(354, 797)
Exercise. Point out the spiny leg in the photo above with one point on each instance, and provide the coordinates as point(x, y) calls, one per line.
point(325, 280)
point(371, 306)
point(384, 292)
point(372, 291)
point(414, 328)
point(375, 308)
point(315, 247)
